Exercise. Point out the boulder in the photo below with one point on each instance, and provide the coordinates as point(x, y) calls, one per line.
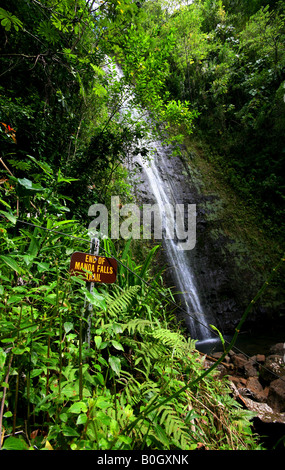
point(262, 410)
point(276, 395)
point(278, 349)
point(273, 368)
point(255, 390)
point(250, 369)
point(258, 383)
point(245, 366)
point(260, 358)
point(239, 360)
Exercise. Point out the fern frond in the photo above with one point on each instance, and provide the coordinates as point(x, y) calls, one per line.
point(174, 426)
point(120, 299)
point(135, 390)
point(169, 338)
point(137, 325)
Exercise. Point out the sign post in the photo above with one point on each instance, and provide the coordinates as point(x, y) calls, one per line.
point(94, 249)
point(92, 268)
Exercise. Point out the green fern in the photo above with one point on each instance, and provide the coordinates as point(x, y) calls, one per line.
point(165, 427)
point(8, 20)
point(176, 342)
point(137, 325)
point(136, 389)
point(174, 426)
point(120, 300)
point(164, 336)
point(155, 355)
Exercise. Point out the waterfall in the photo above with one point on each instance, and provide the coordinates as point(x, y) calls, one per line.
point(164, 189)
point(159, 180)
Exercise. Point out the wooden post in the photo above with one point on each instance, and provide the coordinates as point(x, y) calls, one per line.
point(94, 250)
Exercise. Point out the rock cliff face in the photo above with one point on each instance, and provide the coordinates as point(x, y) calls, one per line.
point(225, 260)
point(226, 274)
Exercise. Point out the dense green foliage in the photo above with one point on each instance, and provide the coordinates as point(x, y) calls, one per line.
point(229, 64)
point(59, 393)
point(63, 138)
point(219, 63)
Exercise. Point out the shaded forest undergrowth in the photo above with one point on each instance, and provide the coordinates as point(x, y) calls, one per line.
point(127, 388)
point(139, 383)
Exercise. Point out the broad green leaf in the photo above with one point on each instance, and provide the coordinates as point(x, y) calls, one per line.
point(82, 419)
point(102, 403)
point(103, 418)
point(72, 390)
point(78, 407)
point(8, 340)
point(33, 247)
point(95, 299)
point(36, 372)
point(68, 431)
point(2, 358)
point(64, 417)
point(14, 299)
point(9, 216)
point(11, 263)
point(28, 184)
point(5, 204)
point(98, 378)
point(117, 345)
point(125, 439)
point(20, 350)
point(28, 259)
point(98, 341)
point(115, 364)
point(117, 328)
point(14, 443)
point(67, 327)
point(42, 267)
point(51, 299)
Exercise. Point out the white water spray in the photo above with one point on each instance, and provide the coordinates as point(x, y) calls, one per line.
point(162, 185)
point(164, 192)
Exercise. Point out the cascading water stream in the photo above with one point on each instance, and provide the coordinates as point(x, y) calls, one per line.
point(164, 194)
point(158, 181)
